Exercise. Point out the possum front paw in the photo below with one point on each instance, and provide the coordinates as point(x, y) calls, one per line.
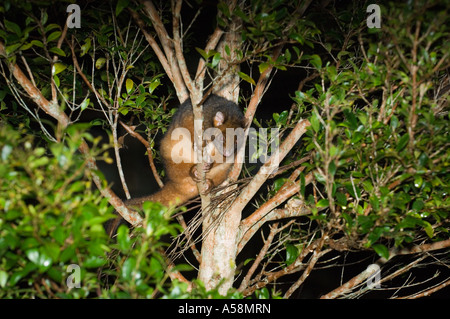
point(195, 175)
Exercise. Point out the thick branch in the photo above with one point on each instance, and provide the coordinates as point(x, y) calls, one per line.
point(201, 68)
point(420, 248)
point(269, 167)
point(251, 109)
point(211, 45)
point(177, 41)
point(349, 285)
point(168, 48)
point(151, 40)
point(267, 211)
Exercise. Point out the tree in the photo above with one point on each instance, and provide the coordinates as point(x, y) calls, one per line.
point(356, 158)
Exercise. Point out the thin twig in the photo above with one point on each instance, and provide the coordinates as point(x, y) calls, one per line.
point(133, 133)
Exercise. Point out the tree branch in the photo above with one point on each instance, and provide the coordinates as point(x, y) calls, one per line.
point(267, 212)
point(168, 48)
point(349, 285)
point(152, 42)
point(251, 110)
point(177, 42)
point(270, 166)
point(428, 292)
point(259, 258)
point(297, 265)
point(54, 111)
point(312, 262)
point(133, 133)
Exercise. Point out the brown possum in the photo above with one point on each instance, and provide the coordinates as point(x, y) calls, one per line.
point(178, 155)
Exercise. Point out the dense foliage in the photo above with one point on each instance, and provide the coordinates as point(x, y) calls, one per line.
point(380, 136)
point(377, 147)
point(52, 219)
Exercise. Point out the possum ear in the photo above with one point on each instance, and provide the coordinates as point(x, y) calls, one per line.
point(219, 119)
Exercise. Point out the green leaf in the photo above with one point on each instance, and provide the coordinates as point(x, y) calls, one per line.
point(323, 203)
point(287, 55)
point(315, 123)
point(418, 180)
point(216, 59)
point(418, 205)
point(246, 78)
point(320, 178)
point(85, 104)
point(302, 184)
point(56, 79)
point(282, 118)
point(342, 54)
point(121, 4)
point(155, 83)
point(52, 250)
point(33, 255)
point(341, 199)
point(44, 17)
point(100, 63)
point(332, 168)
point(3, 278)
point(263, 293)
point(291, 254)
point(12, 27)
point(37, 43)
point(54, 36)
point(42, 161)
point(402, 142)
point(248, 260)
point(51, 26)
point(26, 46)
point(428, 229)
point(351, 119)
point(58, 68)
point(227, 50)
point(381, 250)
point(39, 258)
point(57, 51)
point(316, 61)
point(278, 183)
point(129, 86)
point(123, 238)
point(11, 48)
point(85, 47)
point(94, 262)
point(202, 53)
point(263, 66)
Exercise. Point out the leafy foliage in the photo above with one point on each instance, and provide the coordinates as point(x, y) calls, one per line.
point(52, 218)
point(377, 147)
point(380, 141)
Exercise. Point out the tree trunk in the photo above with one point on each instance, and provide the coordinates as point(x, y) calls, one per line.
point(220, 234)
